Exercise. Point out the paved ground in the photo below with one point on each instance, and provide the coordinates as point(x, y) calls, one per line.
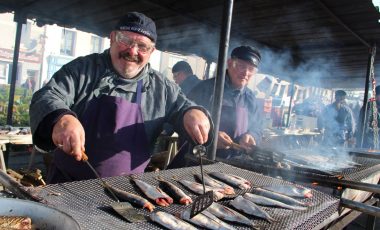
point(21, 159)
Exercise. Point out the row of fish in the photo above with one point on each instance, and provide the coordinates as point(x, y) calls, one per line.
point(281, 198)
point(214, 216)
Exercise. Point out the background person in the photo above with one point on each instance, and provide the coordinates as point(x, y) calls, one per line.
point(241, 117)
point(337, 122)
point(184, 77)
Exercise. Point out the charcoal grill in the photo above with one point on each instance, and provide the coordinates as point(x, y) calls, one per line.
point(87, 202)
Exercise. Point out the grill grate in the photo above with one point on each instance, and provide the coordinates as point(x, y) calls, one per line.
point(87, 202)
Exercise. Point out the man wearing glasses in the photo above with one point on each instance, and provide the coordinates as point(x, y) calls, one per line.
point(241, 118)
point(112, 106)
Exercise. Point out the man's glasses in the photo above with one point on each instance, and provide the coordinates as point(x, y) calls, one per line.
point(244, 66)
point(128, 42)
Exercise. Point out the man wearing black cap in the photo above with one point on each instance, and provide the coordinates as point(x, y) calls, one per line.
point(241, 118)
point(184, 77)
point(111, 105)
point(337, 122)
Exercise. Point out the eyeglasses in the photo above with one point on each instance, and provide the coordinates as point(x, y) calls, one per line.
point(130, 43)
point(244, 66)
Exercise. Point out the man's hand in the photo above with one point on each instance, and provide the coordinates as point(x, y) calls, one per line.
point(247, 141)
point(197, 125)
point(68, 134)
point(224, 141)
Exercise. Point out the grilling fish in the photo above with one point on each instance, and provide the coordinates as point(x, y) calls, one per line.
point(228, 214)
point(198, 188)
point(170, 222)
point(262, 200)
point(290, 190)
point(279, 197)
point(232, 180)
point(154, 193)
point(132, 198)
point(15, 222)
point(250, 208)
point(228, 190)
point(175, 192)
point(206, 220)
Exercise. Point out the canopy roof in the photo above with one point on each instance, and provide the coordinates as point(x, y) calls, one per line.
point(318, 42)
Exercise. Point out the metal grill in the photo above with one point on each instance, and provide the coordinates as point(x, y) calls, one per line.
point(87, 202)
point(368, 167)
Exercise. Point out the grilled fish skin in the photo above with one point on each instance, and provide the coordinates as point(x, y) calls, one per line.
point(279, 197)
point(250, 208)
point(15, 222)
point(228, 190)
point(206, 220)
point(176, 193)
point(262, 200)
point(290, 190)
point(132, 198)
point(170, 222)
point(153, 193)
point(228, 214)
point(198, 189)
point(232, 180)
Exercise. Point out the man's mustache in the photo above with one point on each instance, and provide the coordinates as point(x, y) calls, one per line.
point(127, 56)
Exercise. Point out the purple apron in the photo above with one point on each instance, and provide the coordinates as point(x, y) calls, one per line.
point(234, 122)
point(116, 142)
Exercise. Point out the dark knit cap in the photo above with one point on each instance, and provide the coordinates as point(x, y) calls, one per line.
point(247, 53)
point(138, 23)
point(340, 93)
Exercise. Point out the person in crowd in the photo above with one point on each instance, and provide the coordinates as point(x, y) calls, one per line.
point(241, 118)
point(111, 106)
point(184, 77)
point(336, 122)
point(369, 129)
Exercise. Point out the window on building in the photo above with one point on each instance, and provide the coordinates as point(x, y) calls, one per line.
point(68, 42)
point(3, 70)
point(96, 44)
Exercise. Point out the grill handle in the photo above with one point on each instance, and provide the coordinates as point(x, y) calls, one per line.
point(367, 209)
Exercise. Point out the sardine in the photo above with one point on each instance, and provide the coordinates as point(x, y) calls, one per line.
point(206, 220)
point(154, 193)
point(228, 190)
point(176, 193)
point(279, 197)
point(232, 180)
point(198, 189)
point(290, 190)
point(15, 222)
point(262, 200)
point(250, 208)
point(170, 222)
point(132, 198)
point(228, 214)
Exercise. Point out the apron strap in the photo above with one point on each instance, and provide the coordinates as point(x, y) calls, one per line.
point(139, 91)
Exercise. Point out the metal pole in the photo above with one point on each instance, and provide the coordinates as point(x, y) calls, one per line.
point(20, 19)
point(221, 73)
point(290, 104)
point(362, 125)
